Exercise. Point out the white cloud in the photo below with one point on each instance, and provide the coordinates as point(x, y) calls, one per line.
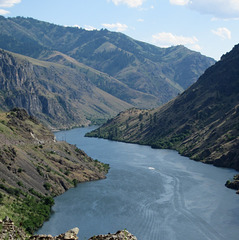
point(119, 27)
point(168, 39)
point(195, 47)
point(77, 26)
point(144, 9)
point(217, 8)
point(179, 2)
point(8, 3)
point(223, 33)
point(140, 20)
point(89, 28)
point(165, 39)
point(3, 12)
point(130, 3)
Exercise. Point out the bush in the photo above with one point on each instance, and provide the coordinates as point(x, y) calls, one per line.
point(106, 167)
point(35, 211)
point(11, 191)
point(74, 182)
point(1, 198)
point(35, 193)
point(47, 186)
point(19, 183)
point(39, 170)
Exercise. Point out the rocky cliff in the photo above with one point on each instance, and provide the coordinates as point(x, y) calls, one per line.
point(58, 95)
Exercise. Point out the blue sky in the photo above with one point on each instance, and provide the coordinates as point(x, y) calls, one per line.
point(208, 26)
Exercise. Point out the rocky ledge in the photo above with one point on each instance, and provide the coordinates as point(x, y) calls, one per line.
point(71, 234)
point(234, 184)
point(120, 235)
point(11, 232)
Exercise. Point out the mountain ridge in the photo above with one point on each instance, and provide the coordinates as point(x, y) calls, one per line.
point(201, 123)
point(142, 67)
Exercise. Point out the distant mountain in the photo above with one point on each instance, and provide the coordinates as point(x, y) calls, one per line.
point(123, 65)
point(58, 95)
point(202, 123)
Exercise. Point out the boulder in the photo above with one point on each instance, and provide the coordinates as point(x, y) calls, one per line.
point(120, 235)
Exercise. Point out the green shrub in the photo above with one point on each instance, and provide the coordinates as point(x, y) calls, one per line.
point(74, 182)
point(1, 198)
point(11, 191)
point(39, 170)
point(47, 186)
point(67, 172)
point(35, 211)
point(19, 183)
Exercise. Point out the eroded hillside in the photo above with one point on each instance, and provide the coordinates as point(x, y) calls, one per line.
point(58, 95)
point(34, 167)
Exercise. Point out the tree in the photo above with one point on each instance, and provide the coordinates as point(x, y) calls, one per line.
point(140, 117)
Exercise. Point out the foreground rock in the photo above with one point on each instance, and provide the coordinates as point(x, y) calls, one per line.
point(71, 234)
point(120, 235)
point(12, 232)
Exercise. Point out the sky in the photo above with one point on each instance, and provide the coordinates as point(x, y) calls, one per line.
point(207, 26)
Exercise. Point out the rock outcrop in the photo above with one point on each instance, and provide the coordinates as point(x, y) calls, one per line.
point(59, 96)
point(71, 234)
point(234, 184)
point(11, 232)
point(120, 235)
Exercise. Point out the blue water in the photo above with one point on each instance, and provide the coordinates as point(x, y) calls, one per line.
point(155, 194)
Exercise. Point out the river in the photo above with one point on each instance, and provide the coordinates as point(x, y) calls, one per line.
point(154, 194)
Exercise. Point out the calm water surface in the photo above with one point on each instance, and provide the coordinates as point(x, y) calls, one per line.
point(154, 194)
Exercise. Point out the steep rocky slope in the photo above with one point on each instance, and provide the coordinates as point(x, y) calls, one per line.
point(58, 95)
point(148, 69)
point(201, 123)
point(34, 167)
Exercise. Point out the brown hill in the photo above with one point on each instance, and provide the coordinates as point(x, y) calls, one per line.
point(58, 95)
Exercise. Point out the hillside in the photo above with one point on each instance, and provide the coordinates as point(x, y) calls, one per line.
point(34, 167)
point(160, 73)
point(58, 95)
point(104, 81)
point(201, 123)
